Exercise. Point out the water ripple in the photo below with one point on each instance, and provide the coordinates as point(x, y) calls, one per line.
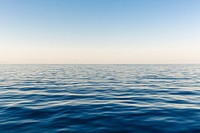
point(99, 98)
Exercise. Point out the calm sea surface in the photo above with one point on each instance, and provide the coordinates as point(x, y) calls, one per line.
point(99, 98)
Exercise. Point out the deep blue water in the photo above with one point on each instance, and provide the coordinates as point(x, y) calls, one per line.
point(99, 98)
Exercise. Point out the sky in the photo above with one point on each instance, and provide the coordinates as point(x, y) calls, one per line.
point(99, 31)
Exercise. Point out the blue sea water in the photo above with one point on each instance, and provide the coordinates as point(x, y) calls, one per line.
point(99, 98)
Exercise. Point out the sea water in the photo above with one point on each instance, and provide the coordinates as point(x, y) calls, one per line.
point(99, 98)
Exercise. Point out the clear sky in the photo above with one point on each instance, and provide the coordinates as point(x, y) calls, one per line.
point(99, 31)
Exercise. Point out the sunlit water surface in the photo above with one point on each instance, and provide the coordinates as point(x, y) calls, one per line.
point(99, 98)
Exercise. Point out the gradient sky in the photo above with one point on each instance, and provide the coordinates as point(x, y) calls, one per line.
point(99, 31)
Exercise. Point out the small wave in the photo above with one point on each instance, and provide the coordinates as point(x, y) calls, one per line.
point(99, 98)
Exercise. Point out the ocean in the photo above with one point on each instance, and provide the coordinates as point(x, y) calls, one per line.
point(99, 98)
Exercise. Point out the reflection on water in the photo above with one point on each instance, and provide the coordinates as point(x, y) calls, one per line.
point(99, 98)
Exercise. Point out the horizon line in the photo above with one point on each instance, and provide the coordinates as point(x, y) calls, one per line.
point(99, 63)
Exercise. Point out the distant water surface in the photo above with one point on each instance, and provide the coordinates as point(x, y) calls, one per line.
point(99, 98)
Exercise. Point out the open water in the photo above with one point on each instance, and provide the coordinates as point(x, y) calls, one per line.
point(99, 98)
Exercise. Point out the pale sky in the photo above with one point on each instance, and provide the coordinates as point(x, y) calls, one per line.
point(99, 31)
